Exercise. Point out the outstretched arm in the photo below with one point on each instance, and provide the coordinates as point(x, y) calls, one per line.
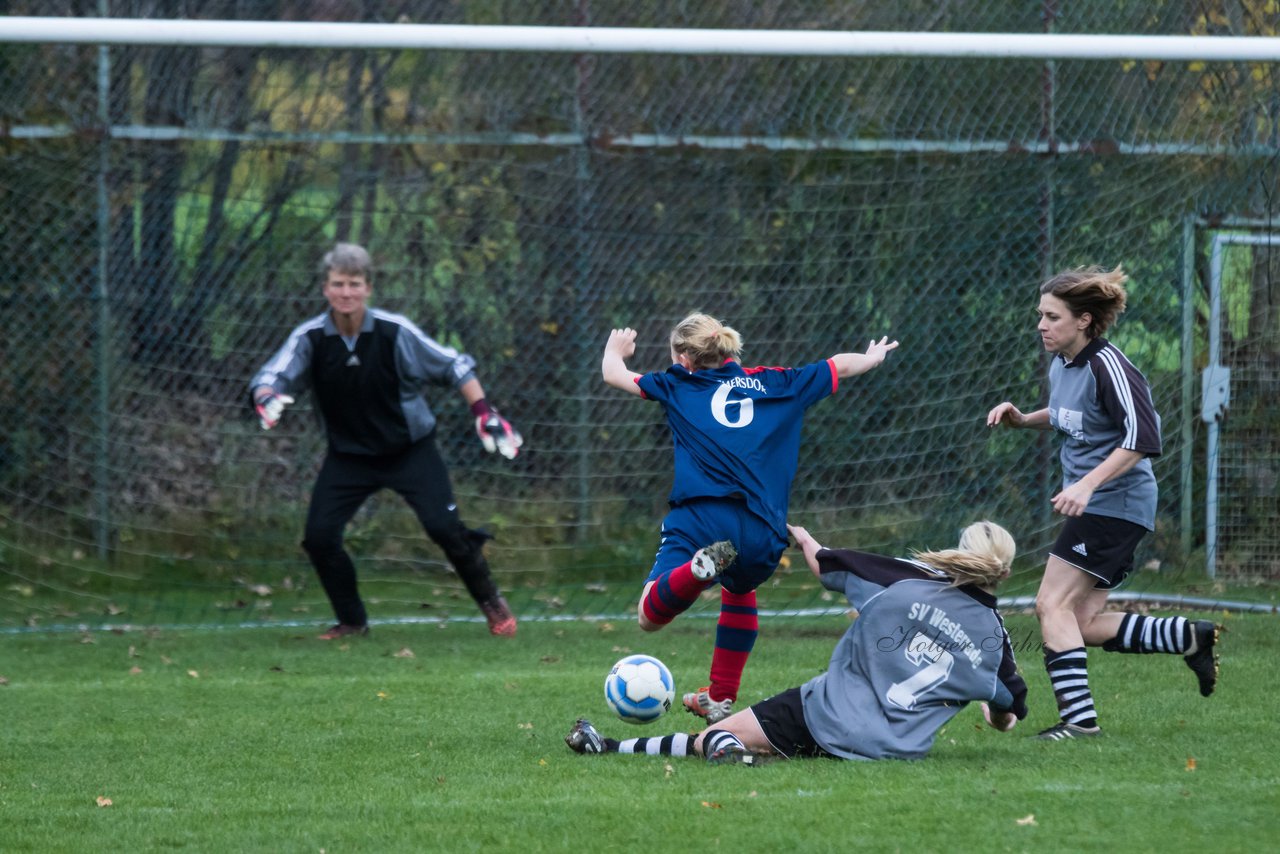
point(613, 366)
point(852, 364)
point(809, 546)
point(1008, 415)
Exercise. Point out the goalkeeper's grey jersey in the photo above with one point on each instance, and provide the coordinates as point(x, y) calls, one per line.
point(918, 652)
point(1099, 401)
point(369, 391)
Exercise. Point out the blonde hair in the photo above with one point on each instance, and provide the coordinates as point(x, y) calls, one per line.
point(983, 557)
point(706, 341)
point(1093, 290)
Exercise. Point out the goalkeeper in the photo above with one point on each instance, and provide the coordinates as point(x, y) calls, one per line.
point(367, 368)
point(927, 641)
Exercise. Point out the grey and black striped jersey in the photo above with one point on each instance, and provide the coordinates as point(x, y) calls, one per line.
point(1099, 402)
point(918, 652)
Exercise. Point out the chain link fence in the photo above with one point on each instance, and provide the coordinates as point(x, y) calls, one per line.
point(164, 209)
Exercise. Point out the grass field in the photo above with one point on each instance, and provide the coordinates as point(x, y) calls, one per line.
point(421, 738)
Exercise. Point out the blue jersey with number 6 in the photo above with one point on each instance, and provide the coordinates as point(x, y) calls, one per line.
point(737, 430)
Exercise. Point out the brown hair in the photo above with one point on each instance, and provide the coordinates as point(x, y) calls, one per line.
point(983, 557)
point(706, 341)
point(1093, 290)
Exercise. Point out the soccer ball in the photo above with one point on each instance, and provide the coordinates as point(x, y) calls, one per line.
point(639, 689)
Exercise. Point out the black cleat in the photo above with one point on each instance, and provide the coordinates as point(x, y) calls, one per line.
point(584, 738)
point(734, 755)
point(1204, 661)
point(1063, 731)
point(345, 630)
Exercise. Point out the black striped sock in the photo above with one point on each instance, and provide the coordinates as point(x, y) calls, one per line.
point(719, 739)
point(1152, 634)
point(1069, 675)
point(676, 744)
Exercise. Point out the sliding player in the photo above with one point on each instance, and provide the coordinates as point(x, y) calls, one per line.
point(927, 641)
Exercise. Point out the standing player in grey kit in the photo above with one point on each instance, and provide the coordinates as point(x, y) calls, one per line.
point(1102, 405)
point(927, 641)
point(367, 368)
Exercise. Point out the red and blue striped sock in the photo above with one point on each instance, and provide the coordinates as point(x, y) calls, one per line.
point(735, 636)
point(672, 594)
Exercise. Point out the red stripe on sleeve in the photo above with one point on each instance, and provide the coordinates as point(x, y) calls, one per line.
point(835, 378)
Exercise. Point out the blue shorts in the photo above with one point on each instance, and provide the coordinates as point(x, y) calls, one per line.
point(695, 524)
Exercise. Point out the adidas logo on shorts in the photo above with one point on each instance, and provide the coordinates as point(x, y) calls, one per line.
point(1079, 549)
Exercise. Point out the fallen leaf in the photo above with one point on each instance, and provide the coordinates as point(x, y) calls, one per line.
point(103, 802)
point(542, 762)
point(164, 659)
point(194, 674)
point(382, 695)
point(135, 670)
point(550, 659)
point(667, 770)
point(1191, 763)
point(606, 627)
point(405, 652)
point(133, 651)
point(524, 726)
point(1029, 821)
point(87, 639)
point(3, 680)
point(711, 805)
point(114, 610)
point(753, 793)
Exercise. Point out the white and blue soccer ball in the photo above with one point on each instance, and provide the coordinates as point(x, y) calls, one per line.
point(639, 689)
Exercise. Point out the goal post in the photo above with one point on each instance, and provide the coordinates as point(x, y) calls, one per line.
point(637, 40)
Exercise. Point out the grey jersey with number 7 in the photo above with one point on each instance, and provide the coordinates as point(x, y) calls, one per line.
point(918, 652)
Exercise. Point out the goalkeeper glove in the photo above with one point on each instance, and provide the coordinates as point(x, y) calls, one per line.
point(496, 432)
point(270, 407)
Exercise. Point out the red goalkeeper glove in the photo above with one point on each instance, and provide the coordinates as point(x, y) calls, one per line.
point(496, 432)
point(270, 407)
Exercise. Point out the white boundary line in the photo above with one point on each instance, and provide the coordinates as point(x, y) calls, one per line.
point(1008, 604)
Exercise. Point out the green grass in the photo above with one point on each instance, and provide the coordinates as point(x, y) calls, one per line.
point(268, 740)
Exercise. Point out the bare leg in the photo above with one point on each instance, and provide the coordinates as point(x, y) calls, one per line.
point(744, 725)
point(1066, 596)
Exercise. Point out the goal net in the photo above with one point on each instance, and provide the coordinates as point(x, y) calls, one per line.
point(164, 209)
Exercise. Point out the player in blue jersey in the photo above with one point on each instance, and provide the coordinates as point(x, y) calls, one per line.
point(736, 433)
point(366, 369)
point(1101, 404)
point(927, 641)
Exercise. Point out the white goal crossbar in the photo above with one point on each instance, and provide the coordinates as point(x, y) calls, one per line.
point(814, 43)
